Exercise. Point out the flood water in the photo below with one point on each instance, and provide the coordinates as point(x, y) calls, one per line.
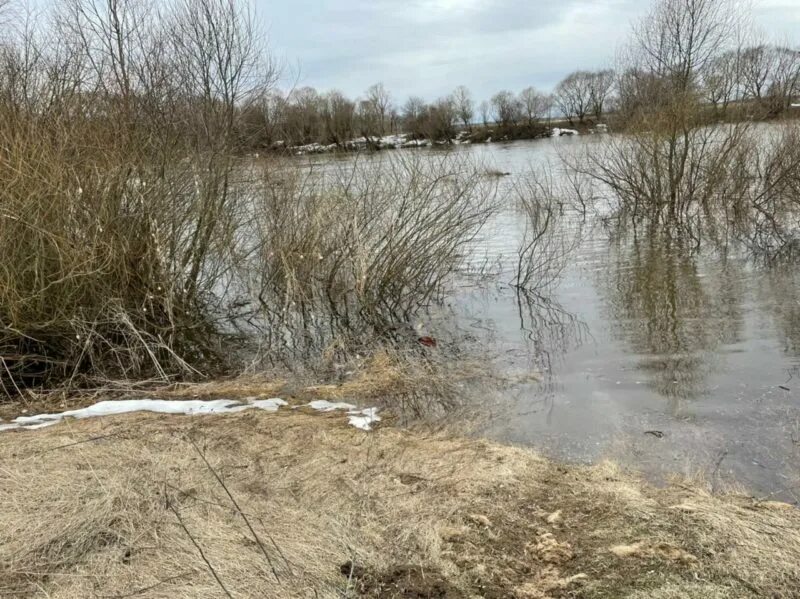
point(646, 351)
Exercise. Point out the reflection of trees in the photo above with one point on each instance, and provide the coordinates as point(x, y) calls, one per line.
point(670, 315)
point(780, 291)
point(550, 329)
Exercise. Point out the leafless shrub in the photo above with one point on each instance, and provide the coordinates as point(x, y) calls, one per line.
point(767, 213)
point(548, 238)
point(673, 169)
point(352, 252)
point(117, 188)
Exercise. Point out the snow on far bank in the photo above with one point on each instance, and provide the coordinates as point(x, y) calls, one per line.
point(394, 142)
point(359, 418)
point(558, 132)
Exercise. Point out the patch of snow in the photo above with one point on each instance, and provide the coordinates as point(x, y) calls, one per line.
point(416, 143)
point(795, 105)
point(558, 132)
point(362, 419)
point(323, 405)
point(268, 405)
point(160, 406)
point(395, 141)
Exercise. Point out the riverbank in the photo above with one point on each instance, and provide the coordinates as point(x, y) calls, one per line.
point(477, 135)
point(296, 503)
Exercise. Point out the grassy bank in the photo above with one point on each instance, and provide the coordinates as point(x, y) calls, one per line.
point(299, 505)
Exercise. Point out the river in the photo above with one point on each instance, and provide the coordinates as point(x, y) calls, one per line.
point(644, 351)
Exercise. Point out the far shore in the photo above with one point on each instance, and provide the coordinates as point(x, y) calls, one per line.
point(478, 135)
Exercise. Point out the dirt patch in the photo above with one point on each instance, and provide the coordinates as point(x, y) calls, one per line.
point(271, 505)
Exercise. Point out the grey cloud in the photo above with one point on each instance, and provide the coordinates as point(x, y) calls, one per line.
point(427, 47)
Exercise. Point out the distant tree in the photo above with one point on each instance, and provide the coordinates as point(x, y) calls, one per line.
point(338, 117)
point(507, 108)
point(757, 71)
point(680, 38)
point(463, 106)
point(440, 120)
point(380, 101)
point(303, 118)
point(534, 104)
point(770, 76)
point(394, 119)
point(485, 110)
point(413, 115)
point(573, 95)
point(721, 79)
point(367, 119)
point(601, 84)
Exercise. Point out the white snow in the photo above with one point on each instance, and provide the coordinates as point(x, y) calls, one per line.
point(323, 405)
point(558, 132)
point(362, 419)
point(269, 405)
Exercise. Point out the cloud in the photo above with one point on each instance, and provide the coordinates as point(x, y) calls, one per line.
point(428, 47)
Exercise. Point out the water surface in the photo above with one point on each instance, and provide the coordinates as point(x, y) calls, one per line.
point(649, 352)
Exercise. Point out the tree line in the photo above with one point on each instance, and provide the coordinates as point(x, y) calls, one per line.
point(762, 78)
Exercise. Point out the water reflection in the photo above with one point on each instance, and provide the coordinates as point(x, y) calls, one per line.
point(780, 293)
point(671, 316)
point(638, 334)
point(549, 328)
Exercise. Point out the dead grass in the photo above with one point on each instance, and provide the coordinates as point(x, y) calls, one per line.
point(413, 383)
point(298, 505)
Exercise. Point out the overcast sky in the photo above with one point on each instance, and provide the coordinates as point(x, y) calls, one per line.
point(428, 47)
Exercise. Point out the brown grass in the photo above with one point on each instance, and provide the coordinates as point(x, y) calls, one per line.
point(298, 505)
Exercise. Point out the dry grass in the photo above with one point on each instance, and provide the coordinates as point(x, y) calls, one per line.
point(274, 505)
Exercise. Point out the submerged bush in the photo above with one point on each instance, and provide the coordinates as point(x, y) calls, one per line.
point(675, 170)
point(356, 251)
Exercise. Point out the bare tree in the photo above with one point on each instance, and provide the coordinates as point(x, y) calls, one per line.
point(601, 84)
point(770, 76)
point(338, 115)
point(721, 80)
point(534, 104)
point(304, 115)
point(678, 39)
point(507, 108)
point(758, 67)
point(380, 101)
point(414, 111)
point(440, 120)
point(464, 106)
point(485, 110)
point(573, 95)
